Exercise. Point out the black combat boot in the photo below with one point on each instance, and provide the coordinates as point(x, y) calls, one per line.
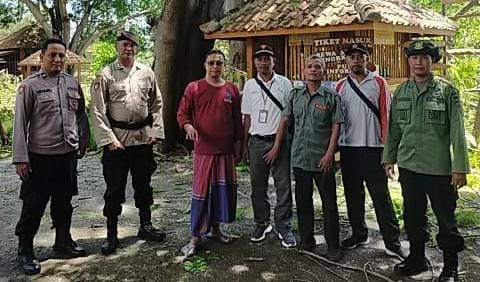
point(109, 246)
point(147, 231)
point(25, 257)
point(65, 245)
point(415, 263)
point(450, 267)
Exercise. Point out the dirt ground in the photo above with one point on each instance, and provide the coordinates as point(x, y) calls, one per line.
point(137, 260)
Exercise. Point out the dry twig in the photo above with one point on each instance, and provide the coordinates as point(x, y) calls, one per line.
point(354, 268)
point(328, 269)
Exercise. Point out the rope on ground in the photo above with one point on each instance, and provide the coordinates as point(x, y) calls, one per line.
point(354, 268)
point(365, 271)
point(328, 269)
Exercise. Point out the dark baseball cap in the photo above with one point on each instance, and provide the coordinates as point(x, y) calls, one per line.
point(356, 47)
point(424, 47)
point(127, 35)
point(264, 50)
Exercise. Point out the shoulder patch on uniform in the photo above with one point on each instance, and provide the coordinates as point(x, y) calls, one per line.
point(20, 89)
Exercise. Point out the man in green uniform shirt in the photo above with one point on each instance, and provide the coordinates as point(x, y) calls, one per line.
point(426, 120)
point(315, 112)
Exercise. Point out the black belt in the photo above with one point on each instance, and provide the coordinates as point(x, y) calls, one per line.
point(131, 125)
point(268, 138)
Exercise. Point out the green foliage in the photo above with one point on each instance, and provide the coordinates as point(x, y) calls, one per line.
point(103, 53)
point(199, 263)
point(9, 85)
point(468, 217)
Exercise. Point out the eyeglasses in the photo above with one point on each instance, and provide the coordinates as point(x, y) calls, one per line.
point(216, 63)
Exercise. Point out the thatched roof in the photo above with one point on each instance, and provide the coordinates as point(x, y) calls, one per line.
point(30, 36)
point(262, 15)
point(70, 59)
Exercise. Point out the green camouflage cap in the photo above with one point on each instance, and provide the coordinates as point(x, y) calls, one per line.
point(127, 35)
point(424, 47)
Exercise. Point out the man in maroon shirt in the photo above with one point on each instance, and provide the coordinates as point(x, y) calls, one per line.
point(209, 112)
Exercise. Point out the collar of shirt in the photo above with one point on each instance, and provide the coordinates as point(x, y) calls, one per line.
point(431, 83)
point(320, 91)
point(118, 66)
point(370, 76)
point(274, 77)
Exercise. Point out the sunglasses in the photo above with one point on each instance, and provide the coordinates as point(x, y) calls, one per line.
point(216, 63)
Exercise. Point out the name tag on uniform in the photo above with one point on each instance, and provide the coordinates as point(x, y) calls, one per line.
point(262, 116)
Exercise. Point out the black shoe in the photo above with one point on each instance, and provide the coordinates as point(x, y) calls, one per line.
point(69, 248)
point(352, 242)
point(305, 246)
point(29, 264)
point(448, 275)
point(334, 254)
point(410, 266)
point(396, 252)
point(109, 246)
point(260, 232)
point(450, 267)
point(148, 232)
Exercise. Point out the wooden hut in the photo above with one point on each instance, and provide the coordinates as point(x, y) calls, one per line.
point(33, 63)
point(298, 28)
point(18, 45)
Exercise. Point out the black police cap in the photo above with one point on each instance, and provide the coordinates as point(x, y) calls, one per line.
point(424, 47)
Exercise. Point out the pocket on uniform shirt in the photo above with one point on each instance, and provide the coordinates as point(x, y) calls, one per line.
point(117, 92)
point(435, 112)
point(73, 100)
point(47, 103)
point(403, 111)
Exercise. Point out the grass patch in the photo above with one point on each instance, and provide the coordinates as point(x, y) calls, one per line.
point(468, 217)
point(200, 263)
point(244, 213)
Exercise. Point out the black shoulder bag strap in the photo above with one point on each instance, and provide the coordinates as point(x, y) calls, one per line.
point(363, 97)
point(269, 94)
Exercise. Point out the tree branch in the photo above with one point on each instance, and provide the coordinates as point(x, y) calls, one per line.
point(37, 13)
point(81, 26)
point(465, 8)
point(82, 47)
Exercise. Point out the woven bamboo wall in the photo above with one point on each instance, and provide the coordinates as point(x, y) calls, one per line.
point(385, 53)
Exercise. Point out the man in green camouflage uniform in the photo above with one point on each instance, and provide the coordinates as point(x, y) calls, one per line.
point(426, 120)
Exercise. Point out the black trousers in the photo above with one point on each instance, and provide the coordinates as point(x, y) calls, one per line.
point(116, 165)
point(52, 177)
point(359, 165)
point(305, 213)
point(443, 199)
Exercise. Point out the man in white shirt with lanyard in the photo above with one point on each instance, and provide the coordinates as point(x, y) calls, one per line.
point(365, 99)
point(264, 98)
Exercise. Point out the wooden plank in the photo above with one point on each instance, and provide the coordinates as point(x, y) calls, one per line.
point(288, 31)
point(249, 49)
point(411, 29)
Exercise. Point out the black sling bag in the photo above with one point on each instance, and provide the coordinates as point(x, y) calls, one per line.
point(269, 94)
point(364, 98)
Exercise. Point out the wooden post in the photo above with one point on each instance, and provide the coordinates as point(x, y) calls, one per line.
point(79, 72)
point(249, 47)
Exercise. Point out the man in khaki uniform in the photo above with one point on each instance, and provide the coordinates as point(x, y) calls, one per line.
point(127, 116)
point(50, 132)
point(426, 120)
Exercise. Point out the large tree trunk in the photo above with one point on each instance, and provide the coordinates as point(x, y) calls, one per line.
point(236, 48)
point(179, 54)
